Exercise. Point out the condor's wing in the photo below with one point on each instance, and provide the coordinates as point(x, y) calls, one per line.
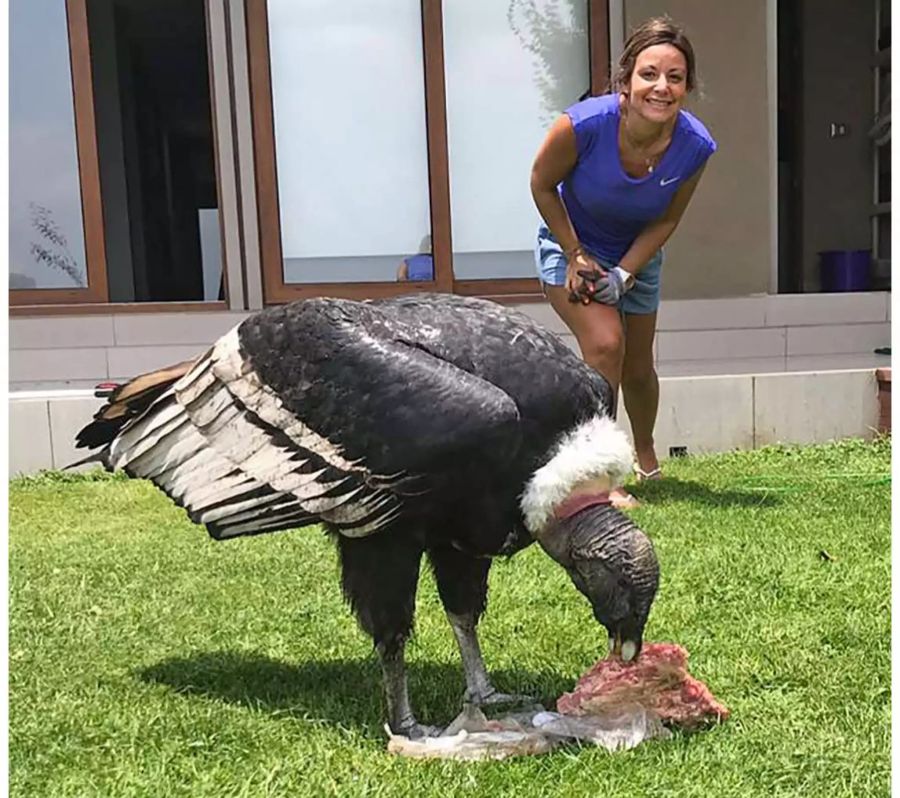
point(300, 415)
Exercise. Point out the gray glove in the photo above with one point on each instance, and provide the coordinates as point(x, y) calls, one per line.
point(612, 286)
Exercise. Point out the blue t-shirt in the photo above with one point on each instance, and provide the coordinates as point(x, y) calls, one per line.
point(608, 207)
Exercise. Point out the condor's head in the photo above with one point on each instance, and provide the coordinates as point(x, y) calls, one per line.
point(610, 561)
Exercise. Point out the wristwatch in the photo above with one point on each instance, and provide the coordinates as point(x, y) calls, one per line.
point(626, 277)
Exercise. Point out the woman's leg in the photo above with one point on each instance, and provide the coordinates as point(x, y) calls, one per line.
point(598, 330)
point(640, 386)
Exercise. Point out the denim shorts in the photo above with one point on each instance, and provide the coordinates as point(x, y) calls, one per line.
point(641, 299)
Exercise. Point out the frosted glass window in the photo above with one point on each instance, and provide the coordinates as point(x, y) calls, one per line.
point(511, 68)
point(46, 234)
point(348, 94)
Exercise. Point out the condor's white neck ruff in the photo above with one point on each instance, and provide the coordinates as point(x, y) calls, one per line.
point(594, 449)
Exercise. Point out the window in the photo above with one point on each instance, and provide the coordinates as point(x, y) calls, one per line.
point(348, 104)
point(364, 115)
point(321, 98)
point(154, 137)
point(350, 144)
point(49, 209)
point(113, 191)
point(512, 68)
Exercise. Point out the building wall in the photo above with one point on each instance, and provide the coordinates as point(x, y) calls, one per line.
point(764, 333)
point(722, 247)
point(735, 373)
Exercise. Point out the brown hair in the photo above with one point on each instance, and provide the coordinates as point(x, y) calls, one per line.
point(658, 30)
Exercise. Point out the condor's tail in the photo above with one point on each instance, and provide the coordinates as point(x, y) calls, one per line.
point(125, 403)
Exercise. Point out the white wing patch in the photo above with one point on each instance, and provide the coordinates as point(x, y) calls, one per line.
point(222, 444)
point(246, 385)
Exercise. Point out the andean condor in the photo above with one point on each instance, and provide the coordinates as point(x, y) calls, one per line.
point(427, 424)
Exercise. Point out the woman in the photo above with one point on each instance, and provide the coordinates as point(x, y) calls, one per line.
point(612, 180)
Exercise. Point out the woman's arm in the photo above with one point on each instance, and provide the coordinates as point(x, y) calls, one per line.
point(655, 234)
point(554, 161)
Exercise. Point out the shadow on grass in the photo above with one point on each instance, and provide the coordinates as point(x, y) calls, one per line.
point(340, 692)
point(672, 489)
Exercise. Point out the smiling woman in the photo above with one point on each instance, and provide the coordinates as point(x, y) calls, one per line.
point(612, 180)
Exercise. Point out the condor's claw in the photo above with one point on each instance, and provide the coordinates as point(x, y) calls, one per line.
point(417, 731)
point(495, 698)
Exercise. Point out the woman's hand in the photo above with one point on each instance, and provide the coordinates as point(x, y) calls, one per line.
point(582, 274)
point(614, 286)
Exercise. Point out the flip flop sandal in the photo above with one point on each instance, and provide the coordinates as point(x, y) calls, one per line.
point(653, 473)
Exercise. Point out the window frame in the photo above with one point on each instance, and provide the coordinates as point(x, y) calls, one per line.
point(94, 299)
point(275, 290)
point(88, 172)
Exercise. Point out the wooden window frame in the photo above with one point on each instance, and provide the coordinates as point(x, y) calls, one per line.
point(89, 173)
point(275, 290)
point(94, 299)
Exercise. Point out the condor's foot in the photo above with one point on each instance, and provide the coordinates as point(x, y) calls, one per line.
point(416, 731)
point(401, 719)
point(495, 699)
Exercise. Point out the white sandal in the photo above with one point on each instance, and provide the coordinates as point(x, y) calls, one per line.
point(653, 473)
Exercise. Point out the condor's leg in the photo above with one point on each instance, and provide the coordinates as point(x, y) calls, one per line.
point(462, 584)
point(379, 578)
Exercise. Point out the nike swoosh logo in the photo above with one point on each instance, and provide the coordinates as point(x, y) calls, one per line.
point(665, 182)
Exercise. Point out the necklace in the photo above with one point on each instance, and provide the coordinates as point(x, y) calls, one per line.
point(650, 161)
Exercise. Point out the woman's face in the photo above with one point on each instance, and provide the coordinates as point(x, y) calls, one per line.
point(658, 83)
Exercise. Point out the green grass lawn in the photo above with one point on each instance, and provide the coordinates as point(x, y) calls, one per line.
point(148, 660)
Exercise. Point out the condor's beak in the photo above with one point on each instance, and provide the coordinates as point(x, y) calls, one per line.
point(615, 645)
point(626, 649)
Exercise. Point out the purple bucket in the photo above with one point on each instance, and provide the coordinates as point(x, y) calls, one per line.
point(845, 270)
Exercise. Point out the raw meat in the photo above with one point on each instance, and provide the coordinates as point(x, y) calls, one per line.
point(658, 681)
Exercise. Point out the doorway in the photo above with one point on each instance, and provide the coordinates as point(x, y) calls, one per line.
point(153, 113)
point(828, 168)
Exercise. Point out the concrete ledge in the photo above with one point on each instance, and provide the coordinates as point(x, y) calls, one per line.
point(80, 351)
point(704, 414)
point(42, 428)
point(725, 412)
point(813, 407)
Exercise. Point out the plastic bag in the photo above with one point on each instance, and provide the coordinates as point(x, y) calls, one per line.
point(471, 736)
point(618, 730)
